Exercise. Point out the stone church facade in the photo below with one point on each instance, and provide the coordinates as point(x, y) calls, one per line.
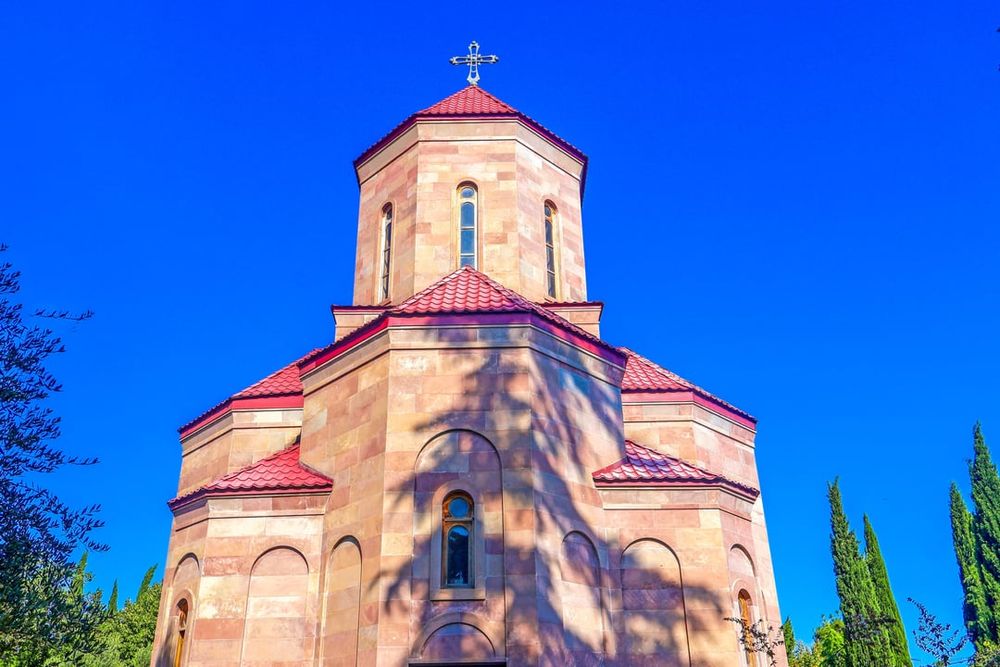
point(469, 474)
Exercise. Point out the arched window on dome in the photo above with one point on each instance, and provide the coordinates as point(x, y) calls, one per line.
point(386, 258)
point(458, 541)
point(468, 223)
point(745, 603)
point(551, 280)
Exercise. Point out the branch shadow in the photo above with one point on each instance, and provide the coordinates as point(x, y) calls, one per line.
point(557, 603)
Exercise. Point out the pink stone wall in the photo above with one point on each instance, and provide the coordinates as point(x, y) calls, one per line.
point(233, 442)
point(515, 172)
point(258, 578)
point(565, 573)
point(343, 436)
point(342, 606)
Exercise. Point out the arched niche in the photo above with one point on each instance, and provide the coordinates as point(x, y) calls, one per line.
point(457, 452)
point(743, 578)
point(342, 604)
point(457, 642)
point(277, 628)
point(654, 622)
point(181, 612)
point(462, 462)
point(581, 602)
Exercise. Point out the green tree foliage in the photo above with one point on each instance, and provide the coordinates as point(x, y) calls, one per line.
point(975, 610)
point(788, 633)
point(976, 538)
point(39, 607)
point(895, 631)
point(113, 599)
point(124, 638)
point(865, 641)
point(799, 655)
point(986, 525)
point(829, 645)
point(827, 649)
point(70, 631)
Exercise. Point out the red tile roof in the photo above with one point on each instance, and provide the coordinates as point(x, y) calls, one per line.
point(641, 374)
point(281, 473)
point(463, 292)
point(284, 383)
point(471, 102)
point(643, 466)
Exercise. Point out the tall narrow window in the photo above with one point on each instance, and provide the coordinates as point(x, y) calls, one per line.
point(747, 618)
point(386, 252)
point(457, 528)
point(550, 249)
point(181, 618)
point(467, 222)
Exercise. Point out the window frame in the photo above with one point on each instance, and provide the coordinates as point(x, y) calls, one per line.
point(181, 626)
point(460, 202)
point(383, 278)
point(745, 607)
point(438, 591)
point(449, 523)
point(550, 219)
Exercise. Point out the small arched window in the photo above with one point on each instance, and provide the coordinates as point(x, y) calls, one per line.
point(457, 539)
point(386, 252)
point(551, 287)
point(468, 219)
point(181, 626)
point(745, 604)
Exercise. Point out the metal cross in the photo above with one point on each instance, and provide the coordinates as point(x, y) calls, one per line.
point(474, 60)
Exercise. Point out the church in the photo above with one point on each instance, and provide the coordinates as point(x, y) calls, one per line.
point(469, 474)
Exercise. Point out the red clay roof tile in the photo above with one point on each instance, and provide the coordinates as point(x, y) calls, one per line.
point(644, 466)
point(471, 102)
point(283, 382)
point(641, 374)
point(465, 292)
point(279, 473)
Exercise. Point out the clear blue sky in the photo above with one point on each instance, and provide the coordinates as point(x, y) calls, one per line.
point(792, 204)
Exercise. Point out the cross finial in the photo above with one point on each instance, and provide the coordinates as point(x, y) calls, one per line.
point(473, 60)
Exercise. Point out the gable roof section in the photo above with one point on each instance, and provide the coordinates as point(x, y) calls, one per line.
point(642, 375)
point(643, 466)
point(280, 389)
point(472, 102)
point(278, 474)
point(462, 292)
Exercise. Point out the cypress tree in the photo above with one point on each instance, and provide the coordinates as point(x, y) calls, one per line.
point(975, 611)
point(986, 528)
point(146, 580)
point(895, 631)
point(865, 643)
point(113, 600)
point(788, 635)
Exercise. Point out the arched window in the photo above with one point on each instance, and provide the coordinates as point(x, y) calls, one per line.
point(457, 539)
point(181, 616)
point(744, 601)
point(468, 219)
point(386, 252)
point(550, 249)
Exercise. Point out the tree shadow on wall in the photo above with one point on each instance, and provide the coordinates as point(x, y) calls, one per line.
point(560, 605)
